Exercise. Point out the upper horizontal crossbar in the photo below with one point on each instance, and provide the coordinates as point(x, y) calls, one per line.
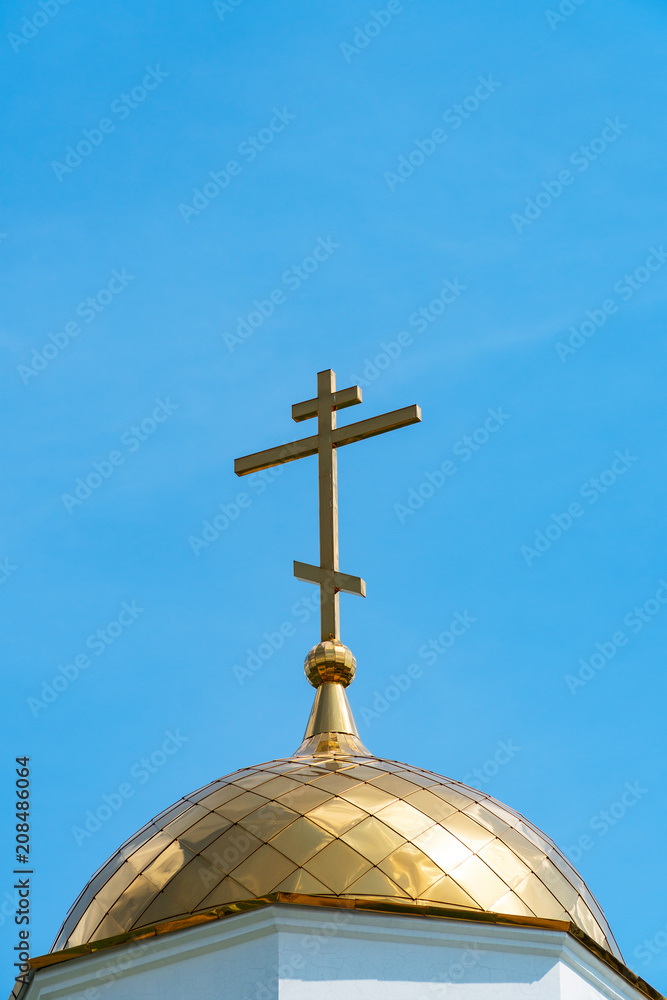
point(310, 407)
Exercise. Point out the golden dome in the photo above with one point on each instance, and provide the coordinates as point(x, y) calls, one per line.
point(333, 821)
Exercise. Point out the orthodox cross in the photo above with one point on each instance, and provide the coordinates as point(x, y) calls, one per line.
point(329, 437)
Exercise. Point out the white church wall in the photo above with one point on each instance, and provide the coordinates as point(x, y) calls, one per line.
point(312, 953)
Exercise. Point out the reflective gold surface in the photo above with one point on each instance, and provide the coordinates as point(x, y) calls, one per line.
point(330, 660)
point(331, 727)
point(325, 445)
point(345, 826)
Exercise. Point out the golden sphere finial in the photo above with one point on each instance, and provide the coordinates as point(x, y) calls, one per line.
point(330, 660)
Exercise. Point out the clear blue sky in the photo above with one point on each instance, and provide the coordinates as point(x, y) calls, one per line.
point(484, 186)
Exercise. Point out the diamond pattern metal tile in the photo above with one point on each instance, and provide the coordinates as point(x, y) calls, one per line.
point(477, 879)
point(301, 840)
point(404, 819)
point(504, 862)
point(535, 894)
point(302, 881)
point(270, 818)
point(228, 891)
point(337, 865)
point(372, 839)
point(376, 883)
point(443, 847)
point(448, 892)
point(411, 869)
point(263, 869)
point(337, 816)
point(233, 847)
point(368, 797)
point(430, 804)
point(304, 798)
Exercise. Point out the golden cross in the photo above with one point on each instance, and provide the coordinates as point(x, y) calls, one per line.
point(324, 444)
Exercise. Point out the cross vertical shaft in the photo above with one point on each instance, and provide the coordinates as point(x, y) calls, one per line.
point(328, 496)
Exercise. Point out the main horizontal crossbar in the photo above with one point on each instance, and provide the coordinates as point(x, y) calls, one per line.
point(276, 456)
point(370, 427)
point(341, 581)
point(376, 425)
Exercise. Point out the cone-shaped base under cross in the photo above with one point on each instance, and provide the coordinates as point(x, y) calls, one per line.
point(331, 727)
